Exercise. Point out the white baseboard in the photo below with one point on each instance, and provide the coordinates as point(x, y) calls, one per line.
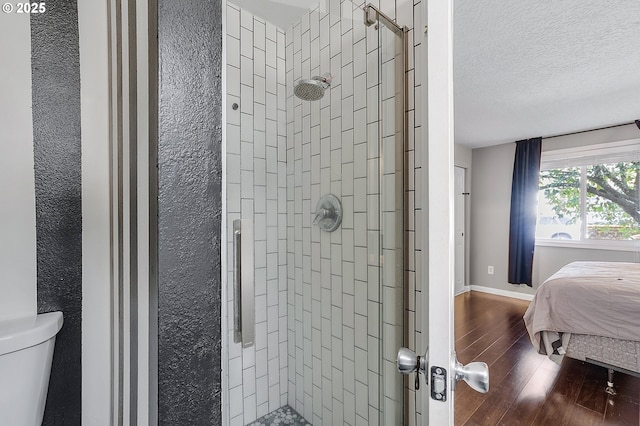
point(465, 289)
point(499, 292)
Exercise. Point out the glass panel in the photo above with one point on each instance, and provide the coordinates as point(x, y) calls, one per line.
point(256, 191)
point(559, 202)
point(392, 270)
point(606, 198)
point(612, 201)
point(317, 109)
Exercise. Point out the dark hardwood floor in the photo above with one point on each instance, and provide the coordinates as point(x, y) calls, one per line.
point(527, 388)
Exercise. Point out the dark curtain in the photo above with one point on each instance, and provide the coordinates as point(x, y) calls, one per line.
point(522, 227)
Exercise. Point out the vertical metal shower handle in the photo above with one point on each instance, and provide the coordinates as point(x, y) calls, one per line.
point(237, 281)
point(247, 279)
point(243, 283)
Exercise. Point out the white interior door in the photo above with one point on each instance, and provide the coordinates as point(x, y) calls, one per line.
point(441, 366)
point(459, 177)
point(438, 280)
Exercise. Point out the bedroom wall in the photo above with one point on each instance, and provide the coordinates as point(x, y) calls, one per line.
point(462, 156)
point(550, 259)
point(490, 202)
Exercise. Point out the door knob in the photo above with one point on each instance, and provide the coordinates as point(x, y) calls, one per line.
point(408, 362)
point(476, 374)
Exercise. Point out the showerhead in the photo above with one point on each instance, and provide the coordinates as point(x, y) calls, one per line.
point(312, 89)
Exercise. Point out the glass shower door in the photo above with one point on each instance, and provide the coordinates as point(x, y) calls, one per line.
point(393, 232)
point(314, 108)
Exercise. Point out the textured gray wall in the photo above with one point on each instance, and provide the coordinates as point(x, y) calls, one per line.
point(56, 135)
point(189, 211)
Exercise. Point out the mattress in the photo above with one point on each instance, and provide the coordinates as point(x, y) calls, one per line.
point(590, 298)
point(616, 352)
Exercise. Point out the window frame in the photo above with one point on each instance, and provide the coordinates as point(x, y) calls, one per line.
point(578, 157)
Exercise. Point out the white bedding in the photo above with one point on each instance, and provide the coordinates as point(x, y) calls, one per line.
point(595, 298)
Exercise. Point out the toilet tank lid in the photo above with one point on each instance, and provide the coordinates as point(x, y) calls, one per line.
point(21, 333)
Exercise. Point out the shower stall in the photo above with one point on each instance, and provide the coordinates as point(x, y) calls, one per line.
point(316, 215)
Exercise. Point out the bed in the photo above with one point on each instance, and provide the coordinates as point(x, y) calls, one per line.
point(589, 311)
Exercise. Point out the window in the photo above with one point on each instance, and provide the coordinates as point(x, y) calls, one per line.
point(590, 194)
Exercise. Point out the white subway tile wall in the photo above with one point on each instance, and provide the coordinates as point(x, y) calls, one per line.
point(318, 314)
point(256, 189)
point(333, 145)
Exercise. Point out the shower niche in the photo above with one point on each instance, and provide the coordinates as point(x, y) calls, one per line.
point(329, 151)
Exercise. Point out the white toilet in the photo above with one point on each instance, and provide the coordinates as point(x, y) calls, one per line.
point(26, 351)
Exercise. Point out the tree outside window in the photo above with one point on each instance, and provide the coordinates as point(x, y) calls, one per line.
point(590, 202)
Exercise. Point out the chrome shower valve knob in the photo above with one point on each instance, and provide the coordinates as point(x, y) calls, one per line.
point(328, 214)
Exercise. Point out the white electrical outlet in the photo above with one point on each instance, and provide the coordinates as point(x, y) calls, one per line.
point(490, 270)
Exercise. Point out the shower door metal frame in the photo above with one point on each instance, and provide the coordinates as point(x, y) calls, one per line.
point(373, 15)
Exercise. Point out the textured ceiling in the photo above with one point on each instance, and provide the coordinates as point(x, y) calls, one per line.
point(281, 13)
point(540, 68)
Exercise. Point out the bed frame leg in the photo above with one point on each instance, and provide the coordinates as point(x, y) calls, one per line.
point(610, 389)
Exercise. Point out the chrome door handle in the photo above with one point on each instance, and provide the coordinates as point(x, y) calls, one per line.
point(476, 374)
point(407, 362)
point(237, 281)
point(243, 283)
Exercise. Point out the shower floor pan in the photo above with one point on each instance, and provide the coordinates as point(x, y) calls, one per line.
point(282, 416)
